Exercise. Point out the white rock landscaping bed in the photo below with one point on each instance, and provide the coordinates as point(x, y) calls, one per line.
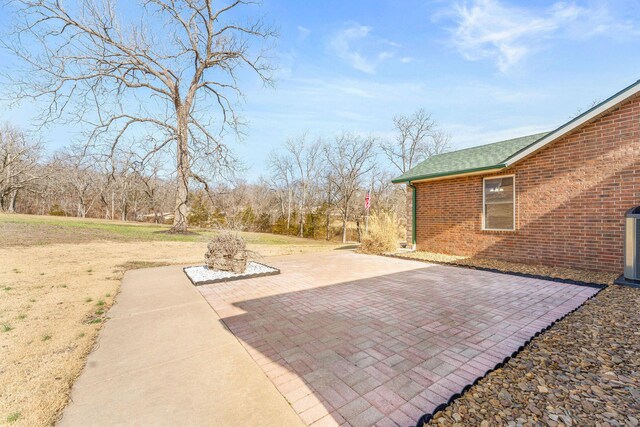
point(201, 275)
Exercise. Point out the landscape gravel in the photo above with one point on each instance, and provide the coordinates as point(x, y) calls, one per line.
point(201, 274)
point(534, 269)
point(584, 371)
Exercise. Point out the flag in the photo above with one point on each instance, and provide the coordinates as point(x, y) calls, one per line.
point(367, 201)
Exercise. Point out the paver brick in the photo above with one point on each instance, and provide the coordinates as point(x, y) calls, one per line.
point(367, 418)
point(350, 410)
point(313, 414)
point(350, 338)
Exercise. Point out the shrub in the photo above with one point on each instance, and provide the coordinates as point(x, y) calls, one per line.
point(199, 213)
point(382, 234)
point(56, 210)
point(217, 218)
point(228, 252)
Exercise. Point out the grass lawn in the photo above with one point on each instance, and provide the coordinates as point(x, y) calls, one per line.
point(58, 278)
point(29, 230)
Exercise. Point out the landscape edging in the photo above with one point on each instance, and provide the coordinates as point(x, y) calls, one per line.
point(232, 278)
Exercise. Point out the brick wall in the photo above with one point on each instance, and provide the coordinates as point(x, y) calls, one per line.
point(571, 198)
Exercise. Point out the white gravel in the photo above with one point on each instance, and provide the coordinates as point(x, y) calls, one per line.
point(201, 274)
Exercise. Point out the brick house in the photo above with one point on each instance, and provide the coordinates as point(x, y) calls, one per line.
point(555, 198)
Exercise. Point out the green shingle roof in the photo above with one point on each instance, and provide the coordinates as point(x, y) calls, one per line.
point(483, 157)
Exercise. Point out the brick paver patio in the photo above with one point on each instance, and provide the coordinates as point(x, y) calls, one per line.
point(361, 340)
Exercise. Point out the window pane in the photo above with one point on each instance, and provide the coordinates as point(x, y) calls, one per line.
point(499, 216)
point(498, 190)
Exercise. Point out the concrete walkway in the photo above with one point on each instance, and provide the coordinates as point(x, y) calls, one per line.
point(165, 358)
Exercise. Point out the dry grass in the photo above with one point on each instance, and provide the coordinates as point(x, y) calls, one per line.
point(382, 235)
point(535, 269)
point(54, 297)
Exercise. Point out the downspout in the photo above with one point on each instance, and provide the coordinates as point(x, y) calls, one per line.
point(413, 215)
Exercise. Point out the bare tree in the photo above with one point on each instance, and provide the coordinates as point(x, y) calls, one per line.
point(83, 181)
point(417, 138)
point(349, 158)
point(580, 111)
point(162, 70)
point(154, 188)
point(385, 195)
point(282, 181)
point(19, 170)
point(306, 159)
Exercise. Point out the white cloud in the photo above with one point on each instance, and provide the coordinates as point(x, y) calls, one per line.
point(489, 29)
point(303, 33)
point(359, 49)
point(406, 59)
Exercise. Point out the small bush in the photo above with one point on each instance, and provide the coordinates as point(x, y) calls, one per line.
point(56, 210)
point(199, 213)
point(382, 234)
point(227, 252)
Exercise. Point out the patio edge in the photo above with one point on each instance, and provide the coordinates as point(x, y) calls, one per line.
point(427, 417)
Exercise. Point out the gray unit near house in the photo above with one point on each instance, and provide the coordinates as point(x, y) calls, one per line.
point(631, 242)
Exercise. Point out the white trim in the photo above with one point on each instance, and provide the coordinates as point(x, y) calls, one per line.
point(484, 205)
point(634, 89)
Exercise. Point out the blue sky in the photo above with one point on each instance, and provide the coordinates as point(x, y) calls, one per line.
point(486, 69)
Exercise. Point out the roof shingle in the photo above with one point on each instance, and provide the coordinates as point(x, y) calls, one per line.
point(472, 159)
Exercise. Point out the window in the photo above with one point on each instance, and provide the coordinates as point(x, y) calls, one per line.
point(499, 203)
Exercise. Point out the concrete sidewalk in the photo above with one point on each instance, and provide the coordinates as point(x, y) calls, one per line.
point(164, 358)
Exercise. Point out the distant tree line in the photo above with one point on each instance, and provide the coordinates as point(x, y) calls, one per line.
point(314, 186)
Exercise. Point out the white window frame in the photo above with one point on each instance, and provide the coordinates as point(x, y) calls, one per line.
point(484, 204)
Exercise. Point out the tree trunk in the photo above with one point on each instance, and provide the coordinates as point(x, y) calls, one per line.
point(184, 172)
point(81, 209)
point(12, 201)
point(301, 232)
point(344, 224)
point(328, 224)
point(289, 197)
point(329, 211)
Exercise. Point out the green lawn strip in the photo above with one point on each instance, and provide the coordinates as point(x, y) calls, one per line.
point(119, 231)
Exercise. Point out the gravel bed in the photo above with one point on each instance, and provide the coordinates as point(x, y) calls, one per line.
point(584, 371)
point(534, 269)
point(200, 275)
